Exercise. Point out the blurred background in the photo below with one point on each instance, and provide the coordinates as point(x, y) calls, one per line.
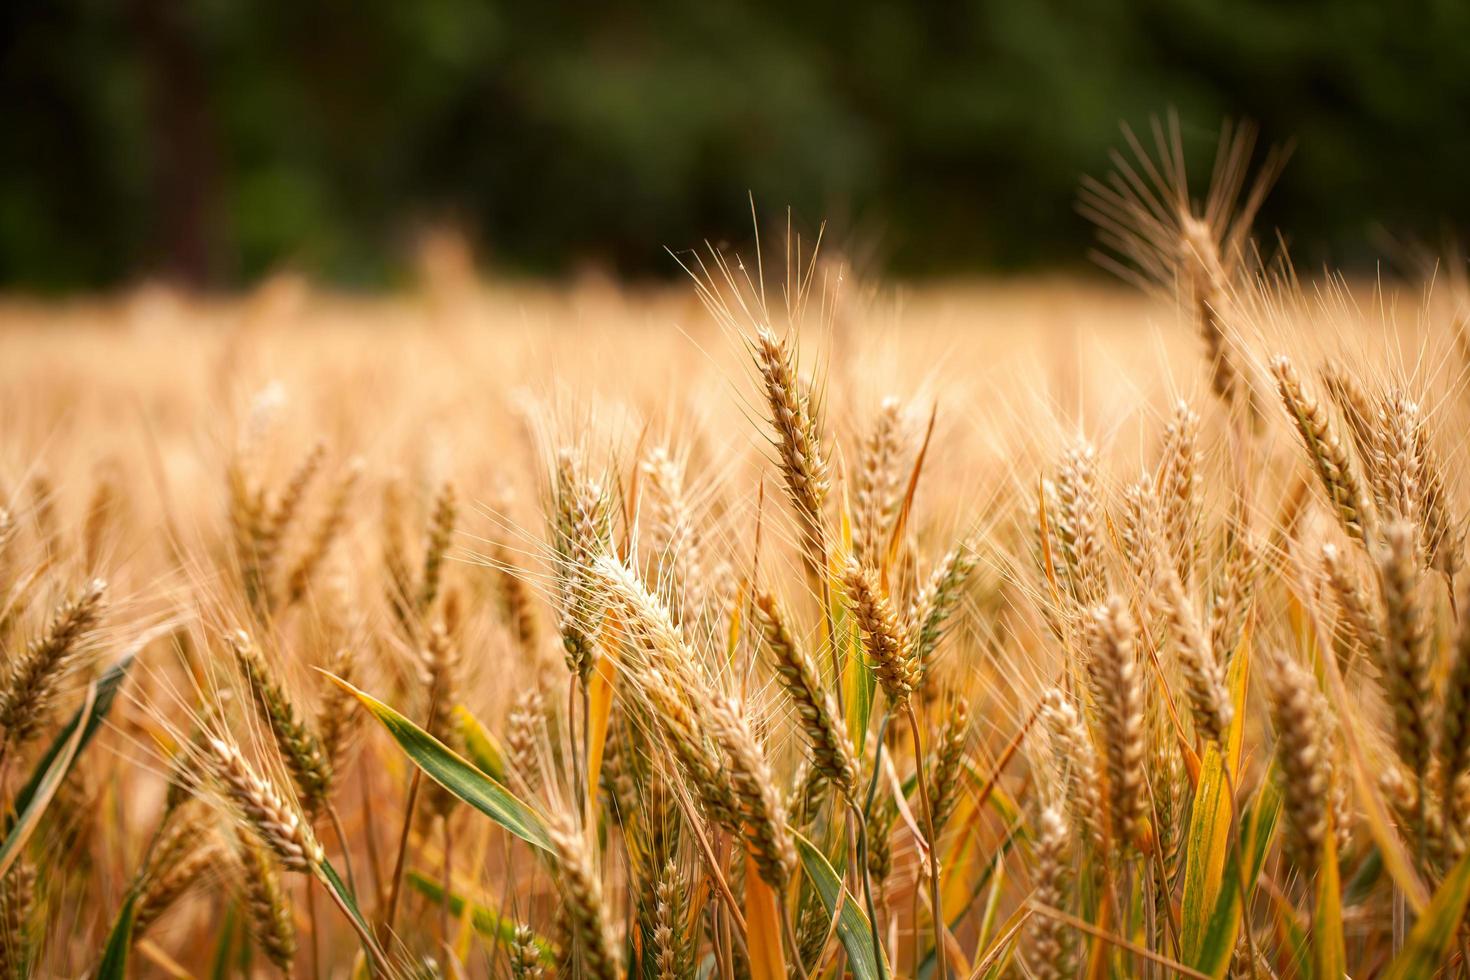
point(212, 142)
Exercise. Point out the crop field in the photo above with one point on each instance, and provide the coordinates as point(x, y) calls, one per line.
point(775, 623)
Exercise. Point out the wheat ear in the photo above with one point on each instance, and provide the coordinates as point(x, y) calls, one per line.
point(271, 922)
point(1326, 452)
point(832, 753)
point(581, 890)
point(275, 822)
point(1117, 696)
point(798, 435)
point(436, 545)
point(32, 681)
point(877, 482)
point(1072, 748)
point(302, 749)
point(884, 638)
point(1302, 757)
point(1051, 943)
point(1406, 667)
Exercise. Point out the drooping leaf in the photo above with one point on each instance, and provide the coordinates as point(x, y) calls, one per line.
point(455, 774)
point(853, 930)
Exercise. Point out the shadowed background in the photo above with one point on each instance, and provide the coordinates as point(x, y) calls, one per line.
point(212, 142)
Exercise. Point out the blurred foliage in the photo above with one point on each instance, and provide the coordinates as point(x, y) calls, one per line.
point(217, 140)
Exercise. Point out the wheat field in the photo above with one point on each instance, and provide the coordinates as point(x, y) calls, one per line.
point(775, 623)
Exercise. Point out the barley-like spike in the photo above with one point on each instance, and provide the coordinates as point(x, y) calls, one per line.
point(1074, 753)
point(937, 601)
point(1209, 700)
point(945, 770)
point(1050, 954)
point(339, 712)
point(99, 515)
point(1362, 623)
point(31, 682)
point(1358, 410)
point(524, 954)
point(884, 638)
point(436, 545)
point(1210, 288)
point(685, 733)
point(580, 885)
point(674, 535)
point(581, 532)
point(1117, 696)
point(1444, 536)
point(328, 529)
point(168, 881)
point(17, 902)
point(880, 844)
point(762, 810)
point(668, 941)
point(517, 604)
point(1453, 747)
point(648, 625)
point(877, 484)
point(797, 434)
point(399, 587)
point(279, 516)
point(1078, 522)
point(1301, 754)
point(248, 516)
point(1329, 457)
point(526, 725)
point(271, 923)
point(1406, 650)
point(1179, 491)
point(1231, 603)
point(1398, 465)
point(302, 749)
point(832, 753)
point(439, 670)
point(277, 823)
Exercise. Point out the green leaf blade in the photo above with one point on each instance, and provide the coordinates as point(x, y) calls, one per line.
point(853, 930)
point(458, 776)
